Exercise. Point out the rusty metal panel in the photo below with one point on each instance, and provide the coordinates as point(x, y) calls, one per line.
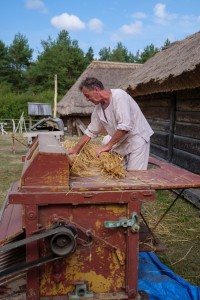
point(101, 262)
point(105, 261)
point(81, 196)
point(11, 223)
point(46, 166)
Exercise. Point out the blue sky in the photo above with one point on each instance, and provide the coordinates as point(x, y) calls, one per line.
point(101, 23)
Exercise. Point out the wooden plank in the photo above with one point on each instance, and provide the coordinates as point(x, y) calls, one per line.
point(188, 105)
point(161, 175)
point(152, 102)
point(188, 130)
point(159, 124)
point(187, 144)
point(186, 160)
point(81, 125)
point(160, 138)
point(175, 173)
point(159, 113)
point(167, 178)
point(188, 94)
point(78, 129)
point(159, 151)
point(188, 117)
point(93, 183)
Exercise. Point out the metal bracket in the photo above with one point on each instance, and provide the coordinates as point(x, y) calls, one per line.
point(133, 223)
point(81, 291)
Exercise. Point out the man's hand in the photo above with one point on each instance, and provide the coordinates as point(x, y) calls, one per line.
point(105, 148)
point(119, 134)
point(85, 139)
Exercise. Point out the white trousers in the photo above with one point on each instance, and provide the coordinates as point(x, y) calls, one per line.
point(138, 159)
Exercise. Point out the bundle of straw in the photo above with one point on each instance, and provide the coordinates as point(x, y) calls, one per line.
point(86, 163)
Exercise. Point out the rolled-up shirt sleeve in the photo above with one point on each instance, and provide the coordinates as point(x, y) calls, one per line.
point(95, 126)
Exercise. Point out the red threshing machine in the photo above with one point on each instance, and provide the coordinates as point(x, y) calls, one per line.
point(66, 237)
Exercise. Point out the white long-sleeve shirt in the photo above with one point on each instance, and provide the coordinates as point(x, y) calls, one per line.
point(123, 113)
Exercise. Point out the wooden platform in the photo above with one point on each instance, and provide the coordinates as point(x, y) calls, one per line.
point(160, 175)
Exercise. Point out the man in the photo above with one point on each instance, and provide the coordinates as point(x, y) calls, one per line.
point(121, 117)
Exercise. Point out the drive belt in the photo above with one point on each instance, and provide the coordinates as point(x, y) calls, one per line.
point(12, 271)
point(25, 266)
point(31, 239)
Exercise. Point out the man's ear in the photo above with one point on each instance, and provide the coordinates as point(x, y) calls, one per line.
point(96, 89)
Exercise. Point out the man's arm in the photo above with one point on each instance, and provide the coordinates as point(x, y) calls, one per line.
point(119, 134)
point(85, 139)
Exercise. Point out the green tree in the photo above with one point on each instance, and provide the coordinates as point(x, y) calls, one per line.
point(118, 54)
point(4, 63)
point(149, 51)
point(166, 44)
point(89, 56)
point(105, 54)
point(20, 56)
point(62, 57)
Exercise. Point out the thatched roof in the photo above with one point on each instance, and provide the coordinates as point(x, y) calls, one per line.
point(110, 73)
point(176, 67)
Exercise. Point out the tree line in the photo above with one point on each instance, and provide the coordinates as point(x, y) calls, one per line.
point(23, 79)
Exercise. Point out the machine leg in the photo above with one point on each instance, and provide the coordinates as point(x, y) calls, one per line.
point(31, 219)
point(132, 257)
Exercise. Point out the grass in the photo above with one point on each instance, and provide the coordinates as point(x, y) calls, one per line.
point(10, 164)
point(179, 230)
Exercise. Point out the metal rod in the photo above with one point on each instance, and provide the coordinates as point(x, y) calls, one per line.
point(167, 210)
point(150, 231)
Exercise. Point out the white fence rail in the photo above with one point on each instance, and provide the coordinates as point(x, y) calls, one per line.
point(15, 125)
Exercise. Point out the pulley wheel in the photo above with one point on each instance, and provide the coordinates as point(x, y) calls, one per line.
point(64, 242)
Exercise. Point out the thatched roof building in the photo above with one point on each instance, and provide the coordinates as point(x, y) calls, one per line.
point(110, 73)
point(167, 88)
point(176, 67)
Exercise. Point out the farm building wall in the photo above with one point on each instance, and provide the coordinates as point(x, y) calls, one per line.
point(186, 143)
point(175, 119)
point(159, 111)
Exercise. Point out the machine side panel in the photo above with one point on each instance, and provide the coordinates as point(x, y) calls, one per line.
point(101, 262)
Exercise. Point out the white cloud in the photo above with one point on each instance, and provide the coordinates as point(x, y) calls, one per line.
point(36, 4)
point(162, 16)
point(67, 22)
point(190, 18)
point(139, 15)
point(95, 25)
point(159, 11)
point(132, 29)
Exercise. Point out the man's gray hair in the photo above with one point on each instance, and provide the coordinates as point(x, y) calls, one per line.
point(90, 83)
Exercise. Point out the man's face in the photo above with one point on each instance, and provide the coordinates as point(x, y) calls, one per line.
point(92, 95)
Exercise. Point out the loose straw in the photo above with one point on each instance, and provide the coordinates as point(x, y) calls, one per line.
point(109, 164)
